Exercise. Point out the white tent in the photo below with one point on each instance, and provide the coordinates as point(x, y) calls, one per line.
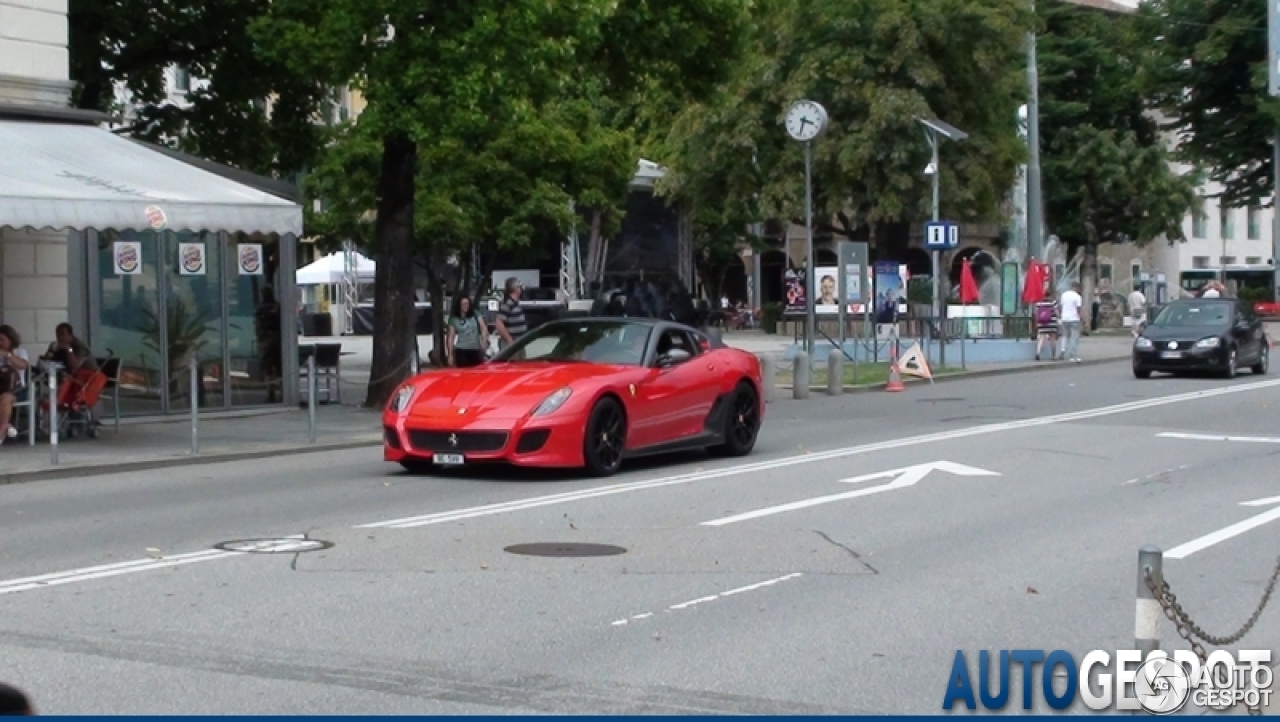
point(332, 269)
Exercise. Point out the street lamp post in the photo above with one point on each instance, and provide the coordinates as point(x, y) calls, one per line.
point(935, 131)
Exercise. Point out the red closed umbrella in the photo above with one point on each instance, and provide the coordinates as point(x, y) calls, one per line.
point(968, 286)
point(1033, 289)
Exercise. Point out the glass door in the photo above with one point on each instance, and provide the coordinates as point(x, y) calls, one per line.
point(193, 274)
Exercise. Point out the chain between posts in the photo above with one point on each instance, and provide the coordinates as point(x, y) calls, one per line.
point(1193, 633)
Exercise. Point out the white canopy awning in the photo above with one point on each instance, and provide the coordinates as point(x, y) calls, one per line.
point(57, 176)
point(332, 269)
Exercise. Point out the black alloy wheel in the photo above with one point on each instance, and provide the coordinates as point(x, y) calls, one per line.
point(606, 439)
point(743, 425)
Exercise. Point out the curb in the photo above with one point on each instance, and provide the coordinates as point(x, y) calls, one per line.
point(863, 388)
point(100, 468)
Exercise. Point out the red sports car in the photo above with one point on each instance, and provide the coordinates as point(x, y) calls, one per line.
point(583, 393)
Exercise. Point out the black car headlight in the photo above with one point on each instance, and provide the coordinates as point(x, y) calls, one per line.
point(553, 402)
point(1211, 342)
point(1143, 344)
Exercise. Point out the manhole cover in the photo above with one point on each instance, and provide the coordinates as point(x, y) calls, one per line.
point(274, 546)
point(558, 549)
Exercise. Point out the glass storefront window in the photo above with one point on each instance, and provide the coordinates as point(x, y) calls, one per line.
point(255, 316)
point(128, 309)
point(193, 314)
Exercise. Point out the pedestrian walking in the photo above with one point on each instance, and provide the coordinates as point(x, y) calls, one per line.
point(1071, 304)
point(511, 323)
point(1138, 310)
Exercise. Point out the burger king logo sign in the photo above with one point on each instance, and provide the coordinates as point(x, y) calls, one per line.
point(250, 259)
point(156, 218)
point(191, 259)
point(128, 258)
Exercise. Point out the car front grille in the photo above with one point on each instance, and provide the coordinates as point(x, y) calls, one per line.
point(457, 441)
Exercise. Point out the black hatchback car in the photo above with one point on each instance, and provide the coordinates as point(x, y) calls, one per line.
point(1202, 334)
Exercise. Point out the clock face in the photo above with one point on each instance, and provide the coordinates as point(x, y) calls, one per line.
point(805, 120)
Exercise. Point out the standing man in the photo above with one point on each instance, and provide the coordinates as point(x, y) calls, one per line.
point(1071, 303)
point(510, 322)
point(1138, 309)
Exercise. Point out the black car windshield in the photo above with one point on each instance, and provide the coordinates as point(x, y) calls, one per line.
point(1194, 313)
point(597, 341)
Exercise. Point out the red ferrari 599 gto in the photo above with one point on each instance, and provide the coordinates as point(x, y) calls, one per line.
point(582, 393)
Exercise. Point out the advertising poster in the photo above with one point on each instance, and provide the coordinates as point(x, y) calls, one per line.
point(1009, 285)
point(250, 255)
point(127, 258)
point(828, 300)
point(890, 291)
point(191, 260)
point(793, 284)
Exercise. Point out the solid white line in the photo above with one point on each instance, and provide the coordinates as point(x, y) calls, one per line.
point(1219, 437)
point(802, 504)
point(788, 461)
point(104, 571)
point(1185, 550)
point(1262, 502)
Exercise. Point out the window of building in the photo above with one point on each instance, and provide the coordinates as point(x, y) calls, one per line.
point(1255, 223)
point(1199, 224)
point(1253, 260)
point(1226, 260)
point(1135, 271)
point(1226, 223)
point(1200, 262)
point(1104, 271)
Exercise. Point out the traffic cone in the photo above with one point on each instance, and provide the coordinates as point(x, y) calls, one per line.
point(895, 378)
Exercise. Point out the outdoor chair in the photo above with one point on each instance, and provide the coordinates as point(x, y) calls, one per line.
point(110, 368)
point(328, 368)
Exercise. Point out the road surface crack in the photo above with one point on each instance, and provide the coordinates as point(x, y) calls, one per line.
point(857, 557)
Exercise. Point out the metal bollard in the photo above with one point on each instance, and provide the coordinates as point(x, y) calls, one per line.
point(769, 374)
point(1146, 628)
point(800, 376)
point(195, 405)
point(835, 372)
point(311, 398)
point(53, 416)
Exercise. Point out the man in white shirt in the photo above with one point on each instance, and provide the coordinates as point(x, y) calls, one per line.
point(1070, 305)
point(1137, 309)
point(1211, 290)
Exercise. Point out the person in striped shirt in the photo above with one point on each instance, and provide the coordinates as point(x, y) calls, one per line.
point(510, 322)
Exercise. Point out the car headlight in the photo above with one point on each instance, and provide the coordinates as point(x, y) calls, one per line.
point(400, 401)
point(1209, 342)
point(553, 402)
point(1142, 343)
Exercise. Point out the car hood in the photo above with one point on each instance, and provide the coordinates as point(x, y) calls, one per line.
point(497, 391)
point(1182, 333)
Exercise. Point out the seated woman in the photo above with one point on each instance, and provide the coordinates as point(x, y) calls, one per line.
point(14, 367)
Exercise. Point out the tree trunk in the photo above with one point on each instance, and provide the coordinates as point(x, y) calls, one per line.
point(1088, 281)
point(393, 321)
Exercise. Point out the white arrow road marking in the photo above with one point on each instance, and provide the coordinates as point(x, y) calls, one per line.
point(1220, 437)
point(114, 570)
point(712, 598)
point(1183, 551)
point(905, 477)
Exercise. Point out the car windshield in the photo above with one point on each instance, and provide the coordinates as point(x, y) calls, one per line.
point(1193, 314)
point(602, 342)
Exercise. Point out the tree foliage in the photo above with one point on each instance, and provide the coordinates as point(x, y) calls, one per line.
point(133, 42)
point(1206, 71)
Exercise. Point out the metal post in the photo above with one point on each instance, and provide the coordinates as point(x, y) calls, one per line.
point(937, 255)
point(1035, 220)
point(195, 405)
point(53, 416)
point(769, 376)
point(1275, 212)
point(311, 398)
point(31, 406)
point(1146, 628)
point(964, 336)
point(801, 376)
point(810, 286)
point(835, 372)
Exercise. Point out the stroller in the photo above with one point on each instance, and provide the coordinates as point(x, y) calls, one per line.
point(76, 398)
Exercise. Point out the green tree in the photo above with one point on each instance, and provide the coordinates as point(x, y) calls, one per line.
point(1107, 175)
point(1206, 70)
point(132, 43)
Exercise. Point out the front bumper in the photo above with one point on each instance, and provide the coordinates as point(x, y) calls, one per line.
point(546, 442)
point(1187, 359)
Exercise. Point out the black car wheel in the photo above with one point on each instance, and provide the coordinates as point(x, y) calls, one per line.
point(1264, 359)
point(743, 425)
point(1141, 373)
point(417, 466)
point(1232, 363)
point(606, 439)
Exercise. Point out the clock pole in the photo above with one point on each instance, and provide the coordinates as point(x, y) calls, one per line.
point(809, 298)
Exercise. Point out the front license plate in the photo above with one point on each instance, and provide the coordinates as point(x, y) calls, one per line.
point(448, 459)
point(1171, 354)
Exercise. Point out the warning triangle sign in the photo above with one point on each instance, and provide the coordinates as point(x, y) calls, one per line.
point(914, 363)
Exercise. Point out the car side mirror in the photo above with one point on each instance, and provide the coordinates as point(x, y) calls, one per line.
point(673, 357)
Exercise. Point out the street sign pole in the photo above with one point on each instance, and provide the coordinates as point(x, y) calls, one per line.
point(1273, 73)
point(937, 257)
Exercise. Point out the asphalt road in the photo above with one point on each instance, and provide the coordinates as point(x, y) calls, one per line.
point(803, 579)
